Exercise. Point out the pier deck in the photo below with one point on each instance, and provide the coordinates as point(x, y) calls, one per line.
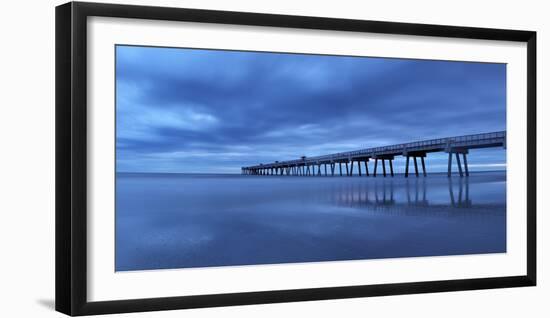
point(458, 146)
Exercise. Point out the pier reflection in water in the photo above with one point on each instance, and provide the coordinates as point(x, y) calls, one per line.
point(382, 195)
point(178, 221)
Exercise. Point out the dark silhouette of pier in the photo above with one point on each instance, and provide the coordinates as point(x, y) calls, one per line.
point(458, 146)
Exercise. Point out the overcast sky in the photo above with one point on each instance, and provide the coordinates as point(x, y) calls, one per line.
point(188, 110)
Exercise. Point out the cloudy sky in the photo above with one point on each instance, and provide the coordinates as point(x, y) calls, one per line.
point(189, 110)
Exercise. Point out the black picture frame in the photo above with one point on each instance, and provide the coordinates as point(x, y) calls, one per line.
point(71, 154)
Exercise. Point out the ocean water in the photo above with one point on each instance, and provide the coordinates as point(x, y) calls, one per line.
point(200, 220)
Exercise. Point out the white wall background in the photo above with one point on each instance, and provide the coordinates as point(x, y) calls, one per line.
point(27, 158)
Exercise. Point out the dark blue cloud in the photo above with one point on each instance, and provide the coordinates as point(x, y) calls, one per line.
point(187, 110)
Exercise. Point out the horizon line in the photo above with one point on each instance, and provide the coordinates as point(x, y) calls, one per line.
point(231, 173)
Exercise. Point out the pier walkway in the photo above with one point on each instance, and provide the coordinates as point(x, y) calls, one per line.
point(458, 146)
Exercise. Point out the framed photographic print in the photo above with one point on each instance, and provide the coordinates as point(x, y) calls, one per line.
point(209, 158)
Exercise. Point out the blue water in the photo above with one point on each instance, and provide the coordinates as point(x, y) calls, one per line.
point(182, 220)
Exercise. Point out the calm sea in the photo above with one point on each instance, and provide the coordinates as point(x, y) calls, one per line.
point(199, 220)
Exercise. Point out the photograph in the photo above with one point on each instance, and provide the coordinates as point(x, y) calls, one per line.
point(268, 159)
point(255, 158)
